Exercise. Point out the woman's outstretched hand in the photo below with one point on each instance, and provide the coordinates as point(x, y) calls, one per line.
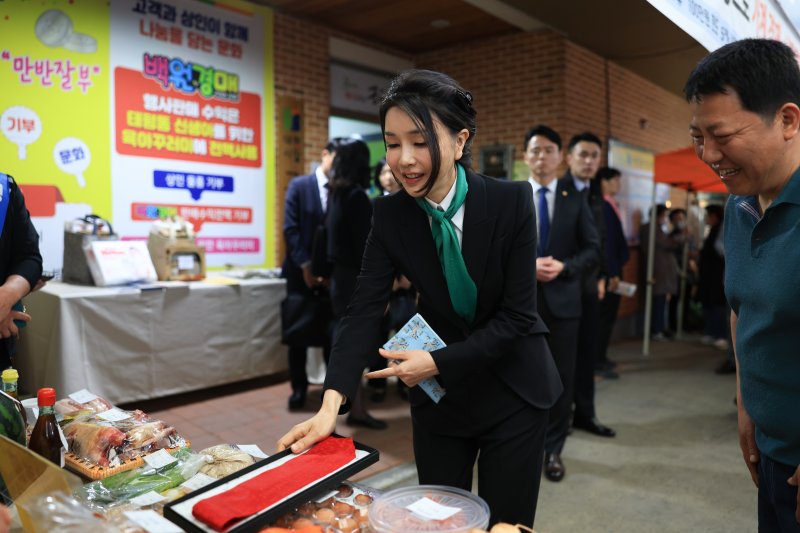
point(302, 436)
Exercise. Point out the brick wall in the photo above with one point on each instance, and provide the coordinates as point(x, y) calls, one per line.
point(531, 78)
point(517, 81)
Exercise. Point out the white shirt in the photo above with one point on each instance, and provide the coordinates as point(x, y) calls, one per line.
point(550, 196)
point(458, 218)
point(579, 183)
point(322, 181)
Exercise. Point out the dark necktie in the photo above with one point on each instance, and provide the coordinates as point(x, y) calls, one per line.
point(544, 220)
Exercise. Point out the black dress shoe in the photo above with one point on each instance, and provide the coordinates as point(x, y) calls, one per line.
point(297, 400)
point(554, 469)
point(367, 422)
point(592, 425)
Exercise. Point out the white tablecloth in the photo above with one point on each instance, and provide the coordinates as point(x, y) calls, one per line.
point(128, 344)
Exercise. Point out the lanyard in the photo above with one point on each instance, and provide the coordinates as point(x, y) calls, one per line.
point(5, 192)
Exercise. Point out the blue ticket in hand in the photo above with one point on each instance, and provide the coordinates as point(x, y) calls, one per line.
point(19, 307)
point(418, 335)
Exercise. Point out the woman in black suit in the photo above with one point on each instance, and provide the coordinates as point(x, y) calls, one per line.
point(348, 223)
point(473, 264)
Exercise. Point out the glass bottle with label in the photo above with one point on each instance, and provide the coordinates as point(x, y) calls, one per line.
point(46, 435)
point(10, 378)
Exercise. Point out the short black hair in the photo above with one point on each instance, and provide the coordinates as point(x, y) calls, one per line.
point(545, 131)
point(675, 212)
point(764, 73)
point(716, 210)
point(421, 94)
point(350, 165)
point(584, 137)
point(608, 173)
point(660, 210)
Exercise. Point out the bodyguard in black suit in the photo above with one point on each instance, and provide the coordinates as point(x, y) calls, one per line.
point(568, 249)
point(304, 212)
point(471, 263)
point(583, 159)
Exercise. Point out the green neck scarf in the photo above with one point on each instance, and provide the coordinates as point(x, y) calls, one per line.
point(463, 292)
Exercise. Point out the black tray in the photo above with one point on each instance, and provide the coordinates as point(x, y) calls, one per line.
point(257, 522)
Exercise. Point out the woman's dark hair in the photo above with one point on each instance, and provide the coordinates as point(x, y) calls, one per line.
point(608, 173)
point(350, 166)
point(376, 173)
point(764, 73)
point(423, 94)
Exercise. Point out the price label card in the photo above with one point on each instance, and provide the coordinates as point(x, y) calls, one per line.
point(185, 262)
point(430, 510)
point(83, 396)
point(152, 522)
point(148, 498)
point(114, 415)
point(198, 481)
point(253, 450)
point(159, 459)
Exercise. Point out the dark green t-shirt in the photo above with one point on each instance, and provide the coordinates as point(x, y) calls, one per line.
point(762, 284)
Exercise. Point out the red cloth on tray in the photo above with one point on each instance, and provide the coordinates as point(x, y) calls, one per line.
point(266, 489)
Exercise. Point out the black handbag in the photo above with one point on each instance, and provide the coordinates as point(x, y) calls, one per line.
point(306, 318)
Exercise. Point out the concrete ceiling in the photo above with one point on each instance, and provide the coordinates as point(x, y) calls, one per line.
point(631, 33)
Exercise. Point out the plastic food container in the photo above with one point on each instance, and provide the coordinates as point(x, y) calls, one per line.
point(389, 513)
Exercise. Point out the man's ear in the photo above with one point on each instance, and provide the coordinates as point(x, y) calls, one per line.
point(789, 115)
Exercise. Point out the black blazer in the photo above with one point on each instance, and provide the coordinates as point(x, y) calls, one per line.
point(302, 214)
point(595, 199)
point(575, 241)
point(504, 345)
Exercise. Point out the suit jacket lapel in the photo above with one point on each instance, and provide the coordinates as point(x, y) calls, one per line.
point(561, 199)
point(478, 231)
point(421, 250)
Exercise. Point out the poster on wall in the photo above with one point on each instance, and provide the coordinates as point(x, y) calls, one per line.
point(139, 109)
point(54, 112)
point(188, 126)
point(636, 189)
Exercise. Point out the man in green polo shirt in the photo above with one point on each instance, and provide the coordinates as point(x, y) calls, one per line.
point(745, 100)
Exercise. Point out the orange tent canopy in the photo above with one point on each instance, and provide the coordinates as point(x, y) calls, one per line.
point(682, 168)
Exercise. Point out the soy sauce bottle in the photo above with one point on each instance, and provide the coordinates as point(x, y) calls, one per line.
point(46, 436)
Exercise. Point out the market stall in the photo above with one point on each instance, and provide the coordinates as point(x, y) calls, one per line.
point(129, 344)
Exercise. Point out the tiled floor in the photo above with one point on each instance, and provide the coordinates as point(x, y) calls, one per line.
point(255, 412)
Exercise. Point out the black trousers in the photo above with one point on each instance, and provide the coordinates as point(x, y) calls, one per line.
point(297, 352)
point(777, 500)
point(609, 307)
point(509, 454)
point(584, 362)
point(563, 344)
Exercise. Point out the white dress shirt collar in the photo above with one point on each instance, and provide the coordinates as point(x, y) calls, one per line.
point(458, 217)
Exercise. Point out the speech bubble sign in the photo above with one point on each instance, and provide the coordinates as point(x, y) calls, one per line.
point(194, 182)
point(22, 126)
point(72, 156)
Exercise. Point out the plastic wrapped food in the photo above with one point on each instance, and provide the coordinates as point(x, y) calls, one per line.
point(110, 440)
point(122, 487)
point(62, 513)
point(391, 512)
point(70, 408)
point(225, 460)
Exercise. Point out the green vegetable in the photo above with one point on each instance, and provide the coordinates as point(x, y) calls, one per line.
point(127, 485)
